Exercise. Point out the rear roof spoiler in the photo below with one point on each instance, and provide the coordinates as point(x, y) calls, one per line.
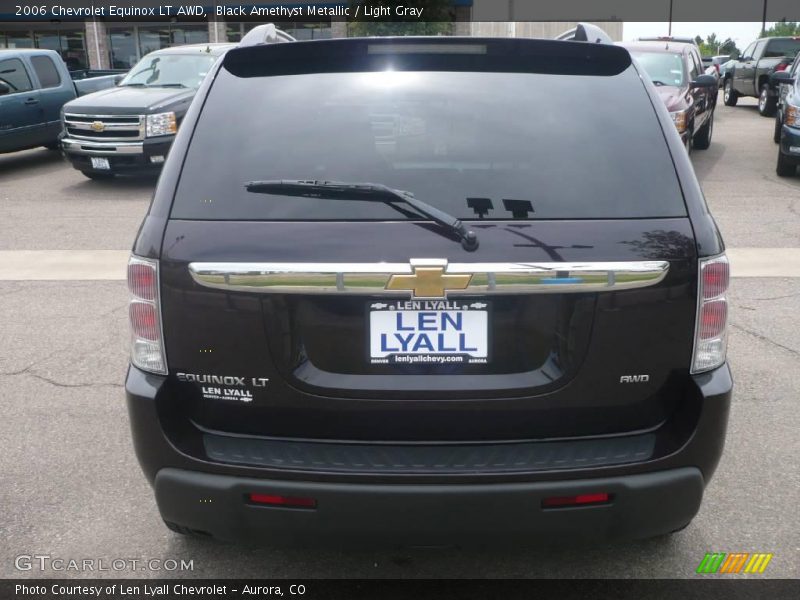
point(265, 34)
point(586, 32)
point(439, 53)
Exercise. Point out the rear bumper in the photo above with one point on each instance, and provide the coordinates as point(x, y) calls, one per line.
point(123, 157)
point(196, 489)
point(429, 514)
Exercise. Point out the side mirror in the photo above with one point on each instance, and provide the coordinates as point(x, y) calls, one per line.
point(4, 89)
point(708, 81)
point(779, 77)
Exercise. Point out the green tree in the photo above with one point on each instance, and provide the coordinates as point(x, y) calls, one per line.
point(438, 18)
point(783, 29)
point(712, 46)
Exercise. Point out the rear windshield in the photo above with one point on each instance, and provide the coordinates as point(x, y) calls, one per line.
point(779, 48)
point(583, 147)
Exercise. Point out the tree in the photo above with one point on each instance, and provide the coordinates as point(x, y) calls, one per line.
point(712, 46)
point(438, 18)
point(783, 29)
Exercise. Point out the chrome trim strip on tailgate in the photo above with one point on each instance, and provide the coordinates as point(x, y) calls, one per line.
point(372, 278)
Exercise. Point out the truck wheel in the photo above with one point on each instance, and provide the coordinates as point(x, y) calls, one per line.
point(786, 166)
point(98, 176)
point(729, 95)
point(776, 135)
point(766, 103)
point(702, 139)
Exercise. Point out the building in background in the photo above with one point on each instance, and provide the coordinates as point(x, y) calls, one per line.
point(118, 44)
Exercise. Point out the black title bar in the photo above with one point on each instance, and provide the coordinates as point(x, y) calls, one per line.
point(405, 10)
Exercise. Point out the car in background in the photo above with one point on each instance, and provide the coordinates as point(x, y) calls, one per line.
point(715, 62)
point(689, 93)
point(130, 128)
point(668, 38)
point(723, 70)
point(789, 133)
point(34, 85)
point(436, 317)
point(783, 88)
point(750, 73)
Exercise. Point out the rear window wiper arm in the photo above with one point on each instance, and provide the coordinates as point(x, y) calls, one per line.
point(375, 192)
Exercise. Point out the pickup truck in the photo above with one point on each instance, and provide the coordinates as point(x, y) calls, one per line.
point(129, 129)
point(750, 74)
point(34, 85)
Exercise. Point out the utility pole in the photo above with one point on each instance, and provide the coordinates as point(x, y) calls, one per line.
point(764, 20)
point(669, 33)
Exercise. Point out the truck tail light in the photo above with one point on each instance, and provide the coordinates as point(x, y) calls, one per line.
point(781, 67)
point(144, 313)
point(711, 330)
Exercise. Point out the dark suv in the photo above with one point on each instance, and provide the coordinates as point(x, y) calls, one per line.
point(420, 289)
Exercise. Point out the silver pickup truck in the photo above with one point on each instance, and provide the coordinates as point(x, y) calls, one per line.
point(34, 86)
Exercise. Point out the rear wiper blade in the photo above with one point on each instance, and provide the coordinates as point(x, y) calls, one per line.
point(374, 192)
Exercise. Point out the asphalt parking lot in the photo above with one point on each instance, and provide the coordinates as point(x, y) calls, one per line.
point(71, 487)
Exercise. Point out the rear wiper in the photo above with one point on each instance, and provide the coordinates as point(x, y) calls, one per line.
point(374, 192)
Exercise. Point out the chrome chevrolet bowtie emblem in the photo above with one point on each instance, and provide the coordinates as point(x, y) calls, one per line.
point(98, 126)
point(428, 282)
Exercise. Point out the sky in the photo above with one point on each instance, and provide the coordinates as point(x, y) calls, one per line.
point(741, 33)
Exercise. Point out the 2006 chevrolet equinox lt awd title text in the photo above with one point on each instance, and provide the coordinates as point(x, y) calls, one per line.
point(428, 290)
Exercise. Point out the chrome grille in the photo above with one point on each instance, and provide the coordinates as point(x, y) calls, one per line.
point(105, 128)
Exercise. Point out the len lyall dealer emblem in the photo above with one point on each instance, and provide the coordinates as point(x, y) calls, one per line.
point(429, 282)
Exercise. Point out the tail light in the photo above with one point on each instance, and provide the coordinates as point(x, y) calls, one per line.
point(711, 330)
point(144, 313)
point(782, 67)
point(716, 66)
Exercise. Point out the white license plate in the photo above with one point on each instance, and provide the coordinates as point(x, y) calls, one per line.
point(100, 163)
point(428, 332)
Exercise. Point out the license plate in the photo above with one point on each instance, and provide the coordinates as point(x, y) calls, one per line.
point(100, 163)
point(428, 332)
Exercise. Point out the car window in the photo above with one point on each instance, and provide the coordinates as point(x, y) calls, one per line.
point(694, 68)
point(451, 138)
point(664, 68)
point(758, 49)
point(156, 70)
point(14, 75)
point(46, 71)
point(777, 48)
point(748, 52)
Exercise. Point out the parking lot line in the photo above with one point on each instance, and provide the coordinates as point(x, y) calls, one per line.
point(62, 265)
point(109, 265)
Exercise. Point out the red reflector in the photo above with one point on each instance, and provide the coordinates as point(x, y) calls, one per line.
point(142, 281)
point(581, 500)
point(716, 276)
point(144, 321)
point(290, 501)
point(713, 316)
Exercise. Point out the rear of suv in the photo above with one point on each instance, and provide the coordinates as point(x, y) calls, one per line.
point(420, 290)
